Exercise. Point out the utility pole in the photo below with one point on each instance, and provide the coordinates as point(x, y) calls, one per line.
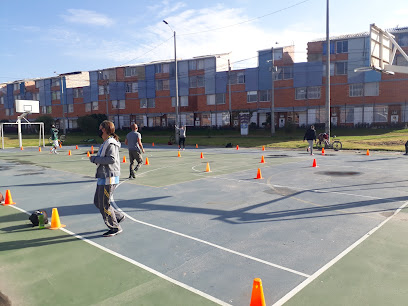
point(273, 94)
point(63, 102)
point(229, 91)
point(105, 89)
point(327, 125)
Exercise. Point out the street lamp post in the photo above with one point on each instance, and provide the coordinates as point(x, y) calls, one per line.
point(177, 94)
point(327, 125)
point(272, 93)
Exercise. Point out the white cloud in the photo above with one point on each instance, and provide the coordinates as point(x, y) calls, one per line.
point(79, 16)
point(166, 8)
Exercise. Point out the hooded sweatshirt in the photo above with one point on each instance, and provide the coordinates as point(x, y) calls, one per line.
point(107, 159)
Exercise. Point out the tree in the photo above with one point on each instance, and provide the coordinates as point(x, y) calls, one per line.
point(47, 120)
point(88, 124)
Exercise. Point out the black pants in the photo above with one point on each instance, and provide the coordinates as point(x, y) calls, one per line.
point(182, 140)
point(134, 155)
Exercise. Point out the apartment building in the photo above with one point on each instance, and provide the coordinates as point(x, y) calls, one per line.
point(212, 94)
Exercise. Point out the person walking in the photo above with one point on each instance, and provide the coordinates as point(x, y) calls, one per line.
point(182, 136)
point(310, 136)
point(54, 139)
point(134, 142)
point(107, 173)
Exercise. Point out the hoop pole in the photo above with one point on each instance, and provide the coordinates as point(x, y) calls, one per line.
point(20, 140)
point(43, 134)
point(2, 136)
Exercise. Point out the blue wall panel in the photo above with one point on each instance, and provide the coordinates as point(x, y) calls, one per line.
point(10, 96)
point(332, 45)
point(63, 89)
point(69, 96)
point(307, 74)
point(141, 89)
point(264, 73)
point(150, 81)
point(221, 79)
point(251, 79)
point(22, 89)
point(209, 75)
point(117, 91)
point(28, 95)
point(42, 92)
point(372, 76)
point(87, 94)
point(93, 80)
point(47, 89)
point(183, 78)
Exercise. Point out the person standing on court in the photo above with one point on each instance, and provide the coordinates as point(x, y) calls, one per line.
point(107, 173)
point(54, 139)
point(134, 142)
point(310, 136)
point(182, 136)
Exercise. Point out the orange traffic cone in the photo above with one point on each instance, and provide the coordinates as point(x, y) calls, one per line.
point(257, 297)
point(207, 169)
point(60, 145)
point(178, 154)
point(87, 154)
point(92, 150)
point(237, 147)
point(22, 149)
point(55, 220)
point(69, 153)
point(153, 144)
point(124, 159)
point(8, 200)
point(202, 156)
point(263, 148)
point(262, 160)
point(322, 151)
point(259, 175)
point(39, 149)
point(76, 147)
point(368, 152)
point(196, 146)
point(314, 163)
point(147, 161)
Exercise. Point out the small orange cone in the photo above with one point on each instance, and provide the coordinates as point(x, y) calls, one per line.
point(76, 147)
point(368, 152)
point(60, 145)
point(55, 220)
point(8, 200)
point(69, 153)
point(178, 154)
point(39, 149)
point(87, 154)
point(257, 297)
point(202, 156)
point(92, 150)
point(124, 159)
point(207, 169)
point(196, 146)
point(263, 148)
point(314, 163)
point(259, 175)
point(22, 149)
point(237, 147)
point(262, 160)
point(322, 151)
point(153, 144)
point(147, 161)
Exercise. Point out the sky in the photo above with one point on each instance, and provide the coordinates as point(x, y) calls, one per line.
point(41, 39)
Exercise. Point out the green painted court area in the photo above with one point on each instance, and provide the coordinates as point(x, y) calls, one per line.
point(44, 267)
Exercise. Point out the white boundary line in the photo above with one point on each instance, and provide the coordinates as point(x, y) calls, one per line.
point(212, 244)
point(311, 278)
point(138, 264)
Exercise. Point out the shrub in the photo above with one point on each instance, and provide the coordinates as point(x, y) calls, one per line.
point(88, 124)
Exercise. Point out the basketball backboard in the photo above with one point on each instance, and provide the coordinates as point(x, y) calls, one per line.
point(28, 106)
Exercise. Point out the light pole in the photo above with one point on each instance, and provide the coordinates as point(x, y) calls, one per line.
point(177, 95)
point(272, 93)
point(327, 125)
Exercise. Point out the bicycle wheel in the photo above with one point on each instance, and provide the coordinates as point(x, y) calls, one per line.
point(62, 138)
point(337, 145)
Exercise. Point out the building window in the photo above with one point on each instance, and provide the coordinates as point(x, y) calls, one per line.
point(403, 39)
point(252, 96)
point(143, 103)
point(356, 90)
point(220, 98)
point(101, 90)
point(135, 87)
point(130, 71)
point(55, 82)
point(331, 69)
point(162, 85)
point(300, 93)
point(284, 73)
point(196, 81)
point(158, 68)
point(49, 109)
point(240, 78)
point(264, 95)
point(46, 109)
point(118, 104)
point(78, 93)
point(95, 105)
point(88, 107)
point(313, 92)
point(210, 99)
point(380, 113)
point(184, 101)
point(371, 89)
point(151, 103)
point(340, 68)
point(7, 112)
point(196, 64)
point(1, 100)
point(70, 108)
point(277, 54)
point(16, 86)
point(56, 95)
point(342, 46)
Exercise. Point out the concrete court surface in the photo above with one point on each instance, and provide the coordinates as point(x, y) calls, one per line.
point(213, 233)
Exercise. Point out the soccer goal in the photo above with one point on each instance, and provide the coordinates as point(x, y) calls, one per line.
point(24, 107)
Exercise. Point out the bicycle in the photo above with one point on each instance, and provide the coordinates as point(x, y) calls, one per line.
point(324, 141)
